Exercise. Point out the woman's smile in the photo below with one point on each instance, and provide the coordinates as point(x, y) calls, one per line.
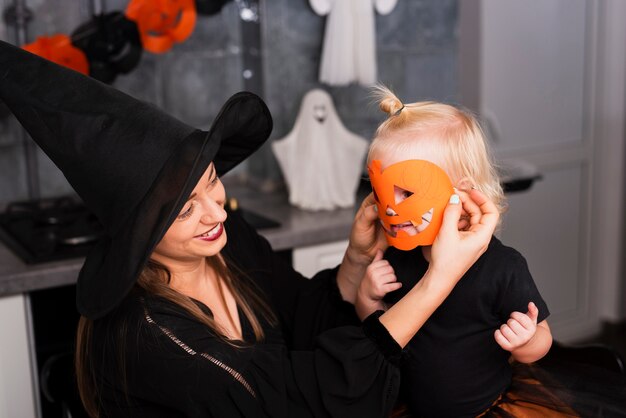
point(212, 234)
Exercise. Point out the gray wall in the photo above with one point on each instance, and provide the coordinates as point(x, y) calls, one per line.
point(417, 55)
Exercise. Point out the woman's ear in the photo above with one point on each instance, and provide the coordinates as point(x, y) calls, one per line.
point(465, 184)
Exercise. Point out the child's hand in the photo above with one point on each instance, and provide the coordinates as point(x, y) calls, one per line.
point(379, 280)
point(519, 329)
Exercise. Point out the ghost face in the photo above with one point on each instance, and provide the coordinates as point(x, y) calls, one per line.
point(411, 196)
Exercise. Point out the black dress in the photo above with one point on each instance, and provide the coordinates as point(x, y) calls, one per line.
point(319, 361)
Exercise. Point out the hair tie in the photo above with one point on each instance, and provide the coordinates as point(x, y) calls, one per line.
point(397, 112)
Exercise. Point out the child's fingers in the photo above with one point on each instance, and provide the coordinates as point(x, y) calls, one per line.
point(384, 285)
point(502, 341)
point(390, 287)
point(507, 332)
point(378, 256)
point(378, 262)
point(525, 320)
point(516, 326)
point(533, 312)
point(380, 268)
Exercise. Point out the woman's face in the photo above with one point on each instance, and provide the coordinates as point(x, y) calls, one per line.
point(198, 230)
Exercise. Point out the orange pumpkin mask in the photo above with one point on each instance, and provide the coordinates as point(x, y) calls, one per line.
point(411, 196)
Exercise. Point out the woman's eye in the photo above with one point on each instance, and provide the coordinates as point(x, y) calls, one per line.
point(186, 213)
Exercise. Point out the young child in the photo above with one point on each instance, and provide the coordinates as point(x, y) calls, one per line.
point(458, 364)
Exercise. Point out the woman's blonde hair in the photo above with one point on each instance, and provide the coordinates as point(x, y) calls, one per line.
point(451, 136)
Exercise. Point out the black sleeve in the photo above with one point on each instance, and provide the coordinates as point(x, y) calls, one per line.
point(305, 307)
point(519, 289)
point(352, 372)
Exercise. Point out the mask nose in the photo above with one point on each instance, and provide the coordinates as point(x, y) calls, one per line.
point(390, 212)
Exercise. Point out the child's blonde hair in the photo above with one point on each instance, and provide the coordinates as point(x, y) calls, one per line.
point(451, 136)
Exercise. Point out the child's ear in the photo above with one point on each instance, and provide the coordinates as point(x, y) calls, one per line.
point(465, 184)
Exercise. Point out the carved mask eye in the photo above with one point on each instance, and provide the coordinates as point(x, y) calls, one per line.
point(401, 194)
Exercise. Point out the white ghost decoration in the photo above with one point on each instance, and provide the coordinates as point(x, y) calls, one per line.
point(320, 159)
point(349, 50)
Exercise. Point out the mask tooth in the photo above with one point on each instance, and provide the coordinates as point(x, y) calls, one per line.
point(415, 224)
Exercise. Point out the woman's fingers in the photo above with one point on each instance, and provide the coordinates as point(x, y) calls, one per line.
point(367, 214)
point(470, 207)
point(463, 223)
point(451, 215)
point(366, 235)
point(489, 212)
point(455, 251)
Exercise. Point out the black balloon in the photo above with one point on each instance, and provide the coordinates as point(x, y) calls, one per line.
point(111, 43)
point(210, 7)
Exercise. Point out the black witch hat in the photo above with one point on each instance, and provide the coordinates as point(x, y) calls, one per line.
point(133, 165)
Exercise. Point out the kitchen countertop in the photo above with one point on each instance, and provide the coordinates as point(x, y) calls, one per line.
point(299, 228)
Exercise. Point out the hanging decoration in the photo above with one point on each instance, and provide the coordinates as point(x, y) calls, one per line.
point(111, 44)
point(349, 49)
point(59, 49)
point(162, 23)
point(320, 159)
point(210, 7)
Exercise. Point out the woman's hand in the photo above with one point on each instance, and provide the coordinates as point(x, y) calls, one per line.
point(366, 238)
point(367, 235)
point(454, 251)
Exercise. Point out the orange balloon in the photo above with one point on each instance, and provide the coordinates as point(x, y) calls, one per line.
point(162, 23)
point(59, 49)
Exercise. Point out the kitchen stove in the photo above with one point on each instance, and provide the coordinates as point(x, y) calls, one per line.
point(52, 229)
point(45, 230)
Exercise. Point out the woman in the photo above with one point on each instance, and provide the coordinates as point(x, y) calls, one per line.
point(186, 311)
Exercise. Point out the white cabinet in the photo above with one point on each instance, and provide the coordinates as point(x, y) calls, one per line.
point(310, 260)
point(548, 79)
point(17, 385)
